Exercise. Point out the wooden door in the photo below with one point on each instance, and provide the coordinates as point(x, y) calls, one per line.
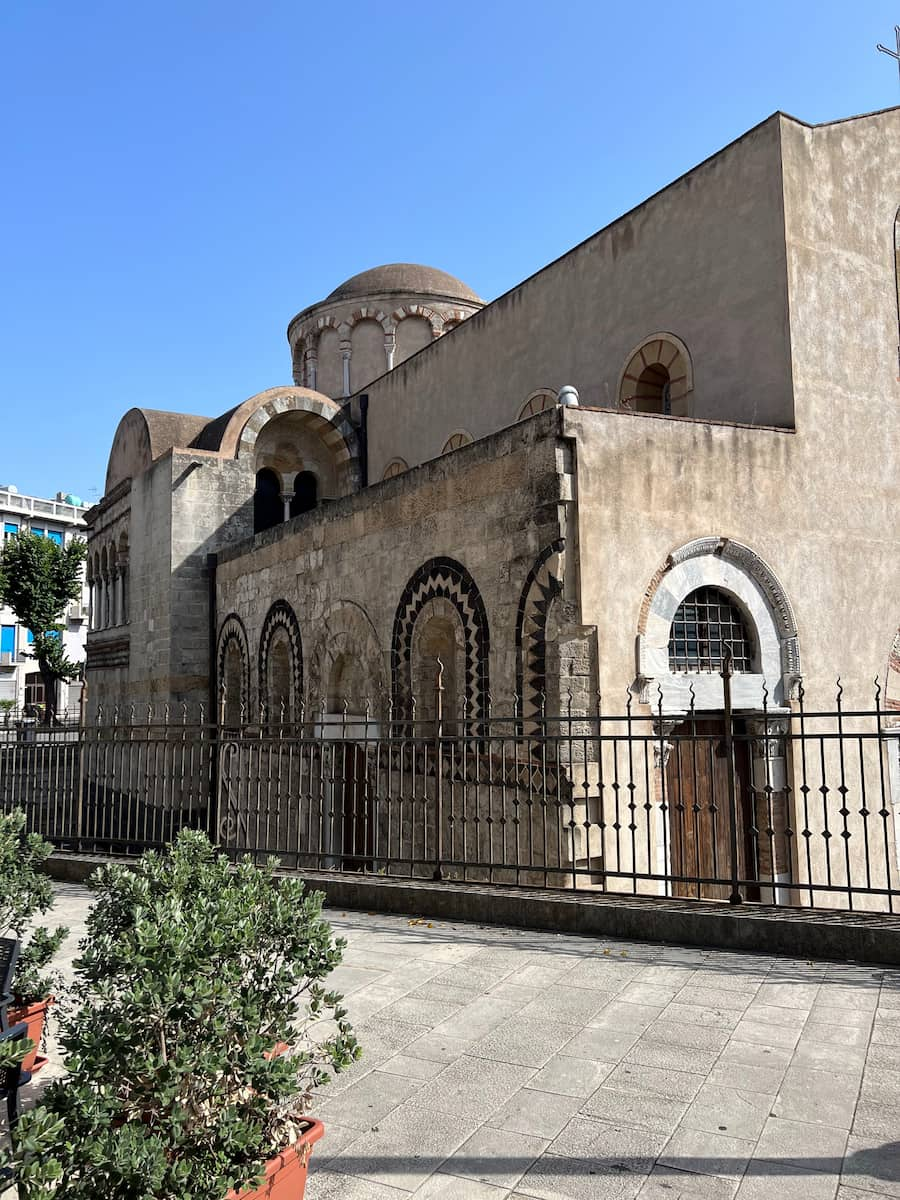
point(697, 799)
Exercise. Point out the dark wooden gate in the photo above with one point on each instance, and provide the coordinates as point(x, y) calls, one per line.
point(697, 796)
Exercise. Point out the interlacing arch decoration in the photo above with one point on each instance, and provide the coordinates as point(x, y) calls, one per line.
point(434, 319)
point(348, 635)
point(542, 586)
point(280, 617)
point(448, 579)
point(233, 641)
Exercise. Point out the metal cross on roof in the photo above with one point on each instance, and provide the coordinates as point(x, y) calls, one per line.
point(895, 54)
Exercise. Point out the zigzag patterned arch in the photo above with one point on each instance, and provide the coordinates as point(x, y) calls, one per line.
point(280, 616)
point(449, 579)
point(232, 631)
point(543, 584)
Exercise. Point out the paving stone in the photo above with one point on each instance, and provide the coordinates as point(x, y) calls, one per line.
point(648, 1051)
point(717, 998)
point(836, 1034)
point(639, 1110)
point(679, 1034)
point(666, 1183)
point(439, 1047)
point(412, 1068)
point(407, 1146)
point(416, 1011)
point(733, 1110)
point(474, 1020)
point(555, 1177)
point(773, 1014)
point(765, 1180)
point(676, 1085)
point(625, 1017)
point(872, 1166)
point(698, 1014)
point(528, 1043)
point(474, 1087)
point(852, 1193)
point(839, 1018)
point(451, 1187)
point(570, 1076)
point(541, 1114)
point(788, 995)
point(496, 1156)
point(644, 992)
point(802, 1144)
point(822, 1097)
point(707, 1153)
point(618, 1148)
point(602, 1045)
point(568, 1005)
point(441, 989)
point(753, 1054)
point(828, 1056)
point(748, 1030)
point(746, 1077)
point(605, 974)
point(880, 1085)
point(367, 1101)
point(875, 1121)
point(330, 1185)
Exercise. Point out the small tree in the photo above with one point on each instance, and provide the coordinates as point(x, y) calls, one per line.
point(38, 578)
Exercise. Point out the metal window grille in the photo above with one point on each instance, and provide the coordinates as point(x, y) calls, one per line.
point(704, 625)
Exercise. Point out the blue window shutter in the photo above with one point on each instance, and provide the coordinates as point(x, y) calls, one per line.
point(30, 636)
point(8, 639)
point(10, 527)
point(54, 536)
point(37, 532)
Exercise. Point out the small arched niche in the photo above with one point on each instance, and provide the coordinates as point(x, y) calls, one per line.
point(306, 493)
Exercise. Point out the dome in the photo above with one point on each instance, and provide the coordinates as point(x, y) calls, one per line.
point(407, 278)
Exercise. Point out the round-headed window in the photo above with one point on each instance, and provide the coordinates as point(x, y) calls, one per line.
point(657, 378)
point(706, 625)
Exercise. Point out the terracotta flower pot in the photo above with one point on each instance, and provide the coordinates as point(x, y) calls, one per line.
point(286, 1172)
point(33, 1015)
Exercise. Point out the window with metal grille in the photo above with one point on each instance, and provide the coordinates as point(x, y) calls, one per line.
point(704, 625)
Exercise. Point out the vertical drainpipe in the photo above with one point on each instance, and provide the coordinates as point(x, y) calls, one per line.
point(364, 440)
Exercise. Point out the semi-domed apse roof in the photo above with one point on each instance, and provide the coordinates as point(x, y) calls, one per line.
point(404, 277)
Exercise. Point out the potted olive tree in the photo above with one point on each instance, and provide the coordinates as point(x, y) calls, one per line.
point(26, 893)
point(191, 973)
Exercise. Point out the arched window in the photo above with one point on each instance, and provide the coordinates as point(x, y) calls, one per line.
point(396, 467)
point(268, 508)
point(537, 402)
point(306, 493)
point(705, 624)
point(455, 440)
point(657, 377)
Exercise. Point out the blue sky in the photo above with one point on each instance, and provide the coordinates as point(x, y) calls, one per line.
point(180, 178)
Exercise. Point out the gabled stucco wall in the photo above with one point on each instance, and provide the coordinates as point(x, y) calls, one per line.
point(704, 259)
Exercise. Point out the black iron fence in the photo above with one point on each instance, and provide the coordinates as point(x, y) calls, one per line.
point(787, 807)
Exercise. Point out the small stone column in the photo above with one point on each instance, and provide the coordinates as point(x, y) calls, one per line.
point(117, 599)
point(345, 359)
point(662, 827)
point(770, 817)
point(286, 498)
point(390, 347)
point(312, 367)
point(125, 597)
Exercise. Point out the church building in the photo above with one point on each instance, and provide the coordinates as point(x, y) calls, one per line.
point(682, 434)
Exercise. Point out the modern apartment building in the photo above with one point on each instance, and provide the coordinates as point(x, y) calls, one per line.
point(60, 520)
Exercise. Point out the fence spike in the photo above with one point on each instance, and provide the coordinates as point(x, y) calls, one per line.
point(184, 712)
point(877, 682)
point(166, 713)
point(839, 692)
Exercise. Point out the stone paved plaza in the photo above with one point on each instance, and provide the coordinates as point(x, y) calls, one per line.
point(501, 1064)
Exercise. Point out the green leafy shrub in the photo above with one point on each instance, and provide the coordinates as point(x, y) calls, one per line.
point(25, 893)
point(190, 972)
